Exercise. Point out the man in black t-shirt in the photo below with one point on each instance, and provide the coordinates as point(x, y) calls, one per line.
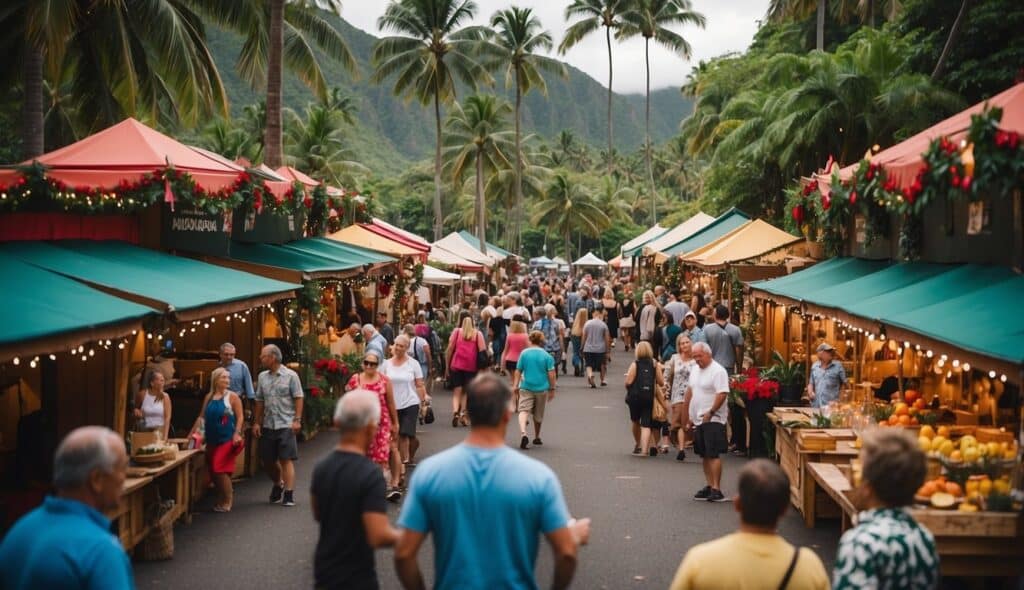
point(348, 500)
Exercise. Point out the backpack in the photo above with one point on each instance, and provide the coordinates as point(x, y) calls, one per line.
point(642, 388)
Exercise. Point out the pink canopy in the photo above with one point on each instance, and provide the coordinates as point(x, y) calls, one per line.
point(408, 235)
point(291, 174)
point(903, 160)
point(127, 152)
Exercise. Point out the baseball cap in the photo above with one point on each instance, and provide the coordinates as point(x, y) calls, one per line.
point(826, 346)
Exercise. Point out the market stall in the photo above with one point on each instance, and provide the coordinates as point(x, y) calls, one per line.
point(589, 262)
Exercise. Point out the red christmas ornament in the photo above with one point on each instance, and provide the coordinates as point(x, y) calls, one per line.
point(826, 200)
point(965, 184)
point(853, 197)
point(798, 214)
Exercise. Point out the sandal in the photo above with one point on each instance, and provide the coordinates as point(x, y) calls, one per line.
point(221, 509)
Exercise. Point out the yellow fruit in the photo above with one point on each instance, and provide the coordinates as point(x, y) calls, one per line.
point(944, 431)
point(1001, 486)
point(968, 441)
point(937, 442)
point(993, 449)
point(985, 487)
point(925, 443)
point(971, 454)
point(971, 486)
point(927, 431)
point(956, 456)
point(982, 450)
point(943, 500)
point(967, 507)
point(1010, 454)
point(973, 496)
point(946, 448)
point(901, 409)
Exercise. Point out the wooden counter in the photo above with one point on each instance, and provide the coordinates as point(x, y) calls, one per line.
point(969, 543)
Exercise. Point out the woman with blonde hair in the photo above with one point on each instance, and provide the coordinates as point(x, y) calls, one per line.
point(515, 343)
point(463, 352)
point(222, 419)
point(649, 317)
point(576, 336)
point(153, 405)
point(643, 385)
point(677, 375)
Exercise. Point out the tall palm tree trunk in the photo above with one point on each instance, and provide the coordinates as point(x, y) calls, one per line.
point(517, 220)
point(954, 33)
point(568, 256)
point(647, 123)
point(608, 40)
point(481, 217)
point(438, 213)
point(32, 126)
point(272, 142)
point(820, 44)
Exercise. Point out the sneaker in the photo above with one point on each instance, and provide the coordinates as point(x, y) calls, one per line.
point(455, 420)
point(717, 496)
point(275, 494)
point(681, 456)
point(636, 451)
point(538, 442)
point(652, 452)
point(394, 495)
point(289, 498)
point(739, 452)
point(604, 384)
point(703, 494)
point(523, 442)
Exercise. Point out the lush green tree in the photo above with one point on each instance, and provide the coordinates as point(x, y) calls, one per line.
point(431, 49)
point(519, 35)
point(229, 140)
point(478, 139)
point(568, 208)
point(592, 15)
point(652, 19)
point(316, 144)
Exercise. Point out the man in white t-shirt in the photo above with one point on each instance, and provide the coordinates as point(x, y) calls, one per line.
point(708, 413)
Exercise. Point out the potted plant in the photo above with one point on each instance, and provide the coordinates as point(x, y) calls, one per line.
point(789, 376)
point(758, 395)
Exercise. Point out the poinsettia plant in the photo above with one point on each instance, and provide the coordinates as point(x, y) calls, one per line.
point(334, 371)
point(750, 385)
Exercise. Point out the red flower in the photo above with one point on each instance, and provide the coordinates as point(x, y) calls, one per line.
point(308, 202)
point(798, 214)
point(890, 185)
point(826, 200)
point(332, 366)
point(955, 181)
point(320, 364)
point(853, 198)
point(316, 392)
point(966, 183)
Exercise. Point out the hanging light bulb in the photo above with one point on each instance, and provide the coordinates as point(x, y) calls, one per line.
point(929, 354)
point(53, 357)
point(967, 367)
point(956, 363)
point(32, 364)
point(991, 374)
point(16, 361)
point(1002, 378)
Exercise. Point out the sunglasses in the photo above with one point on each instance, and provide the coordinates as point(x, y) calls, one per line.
point(369, 364)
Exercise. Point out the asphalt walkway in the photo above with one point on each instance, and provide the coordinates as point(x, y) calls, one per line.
point(644, 517)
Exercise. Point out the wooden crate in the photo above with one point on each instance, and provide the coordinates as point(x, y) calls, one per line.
point(987, 435)
point(951, 523)
point(815, 440)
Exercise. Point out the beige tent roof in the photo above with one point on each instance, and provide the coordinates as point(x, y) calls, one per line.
point(435, 276)
point(454, 243)
point(653, 232)
point(441, 256)
point(678, 233)
point(750, 240)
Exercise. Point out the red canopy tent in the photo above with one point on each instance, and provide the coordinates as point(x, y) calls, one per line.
point(291, 174)
point(903, 160)
point(415, 242)
point(127, 152)
point(411, 237)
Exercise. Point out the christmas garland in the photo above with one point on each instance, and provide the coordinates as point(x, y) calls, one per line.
point(989, 162)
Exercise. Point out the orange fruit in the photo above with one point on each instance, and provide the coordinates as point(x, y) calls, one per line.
point(894, 420)
point(954, 488)
point(943, 431)
point(914, 421)
point(901, 409)
point(911, 396)
point(919, 404)
point(904, 420)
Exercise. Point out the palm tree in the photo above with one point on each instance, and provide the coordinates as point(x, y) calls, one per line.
point(477, 137)
point(567, 208)
point(428, 53)
point(594, 14)
point(228, 140)
point(651, 19)
point(278, 34)
point(614, 199)
point(115, 58)
point(518, 36)
point(800, 9)
point(317, 145)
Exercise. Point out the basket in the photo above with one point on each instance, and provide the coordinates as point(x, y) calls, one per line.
point(147, 459)
point(159, 543)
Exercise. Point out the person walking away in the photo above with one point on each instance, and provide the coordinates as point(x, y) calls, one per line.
point(515, 344)
point(627, 309)
point(596, 348)
point(462, 354)
point(642, 382)
point(406, 378)
point(554, 334)
point(726, 342)
point(384, 328)
point(347, 498)
point(887, 549)
point(384, 450)
point(153, 405)
point(422, 352)
point(277, 419)
point(611, 313)
point(669, 331)
point(768, 560)
point(576, 337)
point(533, 385)
point(690, 328)
point(677, 307)
point(66, 542)
point(677, 375)
point(827, 377)
point(499, 332)
point(708, 413)
point(511, 493)
point(222, 419)
point(374, 341)
point(649, 317)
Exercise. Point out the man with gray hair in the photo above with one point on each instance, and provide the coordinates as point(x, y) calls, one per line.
point(66, 542)
point(347, 497)
point(708, 414)
point(241, 378)
point(375, 341)
point(278, 418)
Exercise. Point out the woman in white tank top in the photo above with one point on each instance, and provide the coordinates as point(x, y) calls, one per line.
point(153, 405)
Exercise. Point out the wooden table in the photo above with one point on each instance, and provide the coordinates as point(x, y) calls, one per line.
point(969, 543)
point(149, 484)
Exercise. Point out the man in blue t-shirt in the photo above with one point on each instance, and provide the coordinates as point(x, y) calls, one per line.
point(486, 506)
point(66, 542)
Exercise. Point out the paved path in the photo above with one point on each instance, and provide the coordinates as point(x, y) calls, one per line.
point(644, 518)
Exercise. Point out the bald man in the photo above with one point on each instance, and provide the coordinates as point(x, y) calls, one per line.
point(66, 542)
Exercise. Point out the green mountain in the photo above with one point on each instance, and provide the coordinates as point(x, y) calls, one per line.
point(392, 132)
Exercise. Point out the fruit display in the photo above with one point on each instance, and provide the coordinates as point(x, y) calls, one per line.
point(937, 442)
point(910, 411)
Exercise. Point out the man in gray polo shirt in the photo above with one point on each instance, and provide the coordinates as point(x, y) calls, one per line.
point(278, 419)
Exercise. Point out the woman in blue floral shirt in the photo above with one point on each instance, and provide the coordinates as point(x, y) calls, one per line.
point(888, 549)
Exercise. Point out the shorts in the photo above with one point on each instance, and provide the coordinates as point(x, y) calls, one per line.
point(593, 360)
point(407, 419)
point(640, 412)
point(557, 355)
point(461, 378)
point(709, 440)
point(677, 415)
point(278, 444)
point(510, 366)
point(533, 403)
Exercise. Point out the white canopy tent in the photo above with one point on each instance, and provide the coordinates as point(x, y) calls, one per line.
point(454, 243)
point(589, 260)
point(653, 232)
point(678, 233)
point(435, 276)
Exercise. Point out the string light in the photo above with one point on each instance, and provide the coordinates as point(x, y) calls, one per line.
point(992, 374)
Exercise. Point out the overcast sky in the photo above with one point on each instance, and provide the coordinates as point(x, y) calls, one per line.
point(730, 27)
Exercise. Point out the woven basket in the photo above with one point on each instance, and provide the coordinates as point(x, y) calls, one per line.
point(159, 543)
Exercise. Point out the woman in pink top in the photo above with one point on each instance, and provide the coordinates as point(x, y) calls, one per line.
point(515, 343)
point(463, 346)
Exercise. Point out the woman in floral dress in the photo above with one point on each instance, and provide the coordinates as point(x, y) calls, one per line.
point(383, 449)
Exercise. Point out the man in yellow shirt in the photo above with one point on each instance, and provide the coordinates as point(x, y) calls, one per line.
point(769, 562)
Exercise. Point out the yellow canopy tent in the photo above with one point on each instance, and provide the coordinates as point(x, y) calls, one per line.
point(753, 239)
